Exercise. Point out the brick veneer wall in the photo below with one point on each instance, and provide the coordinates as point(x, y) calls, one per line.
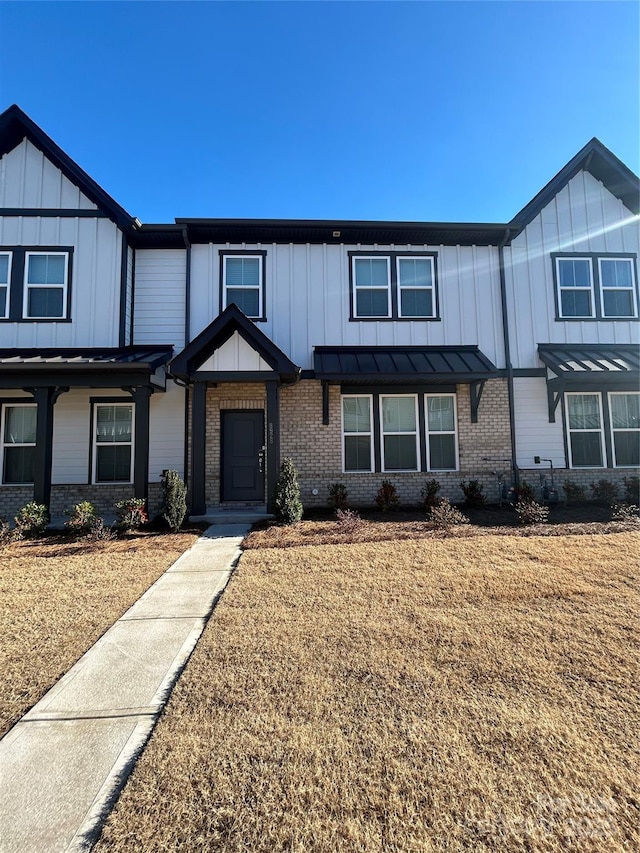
point(104, 497)
point(579, 477)
point(316, 448)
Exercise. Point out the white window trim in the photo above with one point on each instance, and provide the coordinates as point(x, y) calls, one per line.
point(603, 453)
point(591, 288)
point(430, 287)
point(28, 287)
point(415, 433)
point(453, 432)
point(225, 287)
point(5, 316)
point(369, 397)
point(632, 288)
point(3, 445)
point(613, 431)
point(95, 444)
point(357, 287)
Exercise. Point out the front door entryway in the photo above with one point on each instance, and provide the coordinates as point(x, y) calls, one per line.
point(242, 468)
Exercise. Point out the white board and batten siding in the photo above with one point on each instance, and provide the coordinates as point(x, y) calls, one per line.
point(535, 436)
point(583, 217)
point(29, 180)
point(307, 299)
point(159, 297)
point(235, 355)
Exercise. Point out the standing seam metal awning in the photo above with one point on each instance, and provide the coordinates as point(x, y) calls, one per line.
point(385, 365)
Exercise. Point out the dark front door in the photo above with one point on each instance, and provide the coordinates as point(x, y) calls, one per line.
point(242, 469)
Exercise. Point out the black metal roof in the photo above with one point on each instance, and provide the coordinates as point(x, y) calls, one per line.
point(134, 358)
point(409, 364)
point(575, 361)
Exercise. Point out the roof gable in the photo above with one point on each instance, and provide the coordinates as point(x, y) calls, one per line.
point(15, 126)
point(603, 165)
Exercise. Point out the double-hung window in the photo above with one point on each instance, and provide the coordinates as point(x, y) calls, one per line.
point(243, 283)
point(45, 285)
point(357, 433)
point(625, 428)
point(393, 286)
point(113, 443)
point(5, 280)
point(18, 443)
point(399, 428)
point(596, 287)
point(585, 434)
point(442, 446)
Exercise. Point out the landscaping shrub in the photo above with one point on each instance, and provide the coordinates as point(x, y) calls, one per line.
point(174, 504)
point(288, 504)
point(444, 516)
point(6, 533)
point(531, 512)
point(348, 520)
point(625, 512)
point(387, 497)
point(81, 517)
point(429, 494)
point(524, 492)
point(31, 521)
point(473, 493)
point(98, 532)
point(604, 492)
point(131, 513)
point(632, 489)
point(338, 496)
point(574, 493)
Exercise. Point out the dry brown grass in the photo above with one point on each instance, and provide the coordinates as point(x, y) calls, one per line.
point(58, 597)
point(473, 694)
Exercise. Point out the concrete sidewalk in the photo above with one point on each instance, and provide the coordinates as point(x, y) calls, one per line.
point(63, 765)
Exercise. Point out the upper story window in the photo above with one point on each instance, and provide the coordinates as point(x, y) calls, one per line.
point(393, 286)
point(35, 284)
point(242, 282)
point(595, 287)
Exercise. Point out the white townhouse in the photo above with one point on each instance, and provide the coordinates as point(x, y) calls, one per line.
point(364, 350)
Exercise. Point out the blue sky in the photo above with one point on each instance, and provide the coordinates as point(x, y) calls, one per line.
point(453, 111)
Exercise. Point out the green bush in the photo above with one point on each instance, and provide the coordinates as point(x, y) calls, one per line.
point(31, 520)
point(338, 496)
point(473, 493)
point(574, 493)
point(387, 497)
point(604, 492)
point(531, 512)
point(444, 516)
point(81, 517)
point(632, 489)
point(288, 504)
point(131, 513)
point(429, 494)
point(174, 494)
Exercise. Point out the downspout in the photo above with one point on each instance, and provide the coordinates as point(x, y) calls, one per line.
point(187, 335)
point(507, 355)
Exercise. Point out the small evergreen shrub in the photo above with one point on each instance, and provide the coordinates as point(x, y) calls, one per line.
point(288, 504)
point(444, 516)
point(387, 497)
point(574, 493)
point(338, 496)
point(348, 520)
point(430, 494)
point(31, 520)
point(604, 492)
point(131, 514)
point(531, 512)
point(81, 517)
point(473, 493)
point(174, 504)
point(625, 512)
point(632, 490)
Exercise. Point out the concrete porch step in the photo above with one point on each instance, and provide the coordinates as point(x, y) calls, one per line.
point(233, 515)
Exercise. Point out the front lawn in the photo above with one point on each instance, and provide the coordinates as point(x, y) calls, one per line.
point(452, 694)
point(59, 596)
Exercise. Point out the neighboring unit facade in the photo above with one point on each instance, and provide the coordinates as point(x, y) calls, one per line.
point(363, 350)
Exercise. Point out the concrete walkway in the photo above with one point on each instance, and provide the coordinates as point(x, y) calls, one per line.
point(63, 765)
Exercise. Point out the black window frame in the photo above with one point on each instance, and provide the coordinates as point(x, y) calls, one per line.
point(394, 288)
point(247, 253)
point(17, 284)
point(6, 403)
point(596, 289)
point(606, 427)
